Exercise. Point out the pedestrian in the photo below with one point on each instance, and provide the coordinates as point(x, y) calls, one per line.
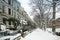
point(18, 28)
point(3, 29)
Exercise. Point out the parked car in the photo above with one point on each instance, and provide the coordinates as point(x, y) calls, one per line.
point(58, 33)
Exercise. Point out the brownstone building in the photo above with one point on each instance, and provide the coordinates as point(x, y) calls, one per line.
point(11, 13)
point(57, 23)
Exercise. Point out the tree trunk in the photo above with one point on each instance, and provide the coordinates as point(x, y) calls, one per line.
point(54, 11)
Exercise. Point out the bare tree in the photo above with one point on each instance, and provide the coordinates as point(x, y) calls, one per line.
point(45, 6)
point(42, 7)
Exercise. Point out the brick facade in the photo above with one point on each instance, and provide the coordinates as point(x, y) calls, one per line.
point(57, 23)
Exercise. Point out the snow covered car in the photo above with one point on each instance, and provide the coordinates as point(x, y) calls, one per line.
point(58, 31)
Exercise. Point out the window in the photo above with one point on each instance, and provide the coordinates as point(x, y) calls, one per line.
point(12, 12)
point(9, 2)
point(17, 8)
point(9, 11)
point(3, 0)
point(4, 20)
point(9, 22)
point(3, 8)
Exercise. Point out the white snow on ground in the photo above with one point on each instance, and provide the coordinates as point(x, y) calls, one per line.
point(57, 29)
point(39, 34)
point(50, 29)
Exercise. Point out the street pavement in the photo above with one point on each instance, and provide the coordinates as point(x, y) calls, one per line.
point(39, 34)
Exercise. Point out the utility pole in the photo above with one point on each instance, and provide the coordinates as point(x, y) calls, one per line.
point(54, 12)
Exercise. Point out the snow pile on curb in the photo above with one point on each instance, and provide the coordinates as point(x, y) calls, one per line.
point(38, 34)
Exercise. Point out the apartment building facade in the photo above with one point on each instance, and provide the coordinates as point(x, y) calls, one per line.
point(57, 23)
point(10, 12)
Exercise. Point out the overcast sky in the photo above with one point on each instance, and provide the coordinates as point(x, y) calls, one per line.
point(25, 5)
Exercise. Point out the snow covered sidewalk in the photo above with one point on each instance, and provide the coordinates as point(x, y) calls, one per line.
point(39, 34)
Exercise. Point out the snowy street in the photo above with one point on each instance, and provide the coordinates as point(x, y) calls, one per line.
point(29, 19)
point(39, 34)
